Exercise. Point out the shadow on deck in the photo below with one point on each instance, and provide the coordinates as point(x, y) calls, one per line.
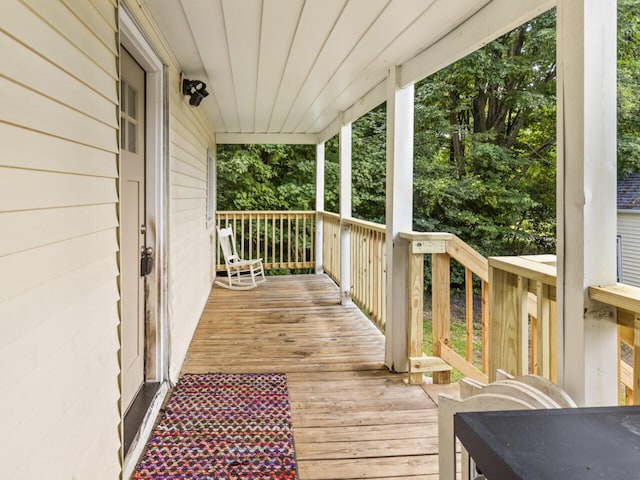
point(351, 417)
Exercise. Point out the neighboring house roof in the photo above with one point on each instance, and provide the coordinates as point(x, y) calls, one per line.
point(629, 192)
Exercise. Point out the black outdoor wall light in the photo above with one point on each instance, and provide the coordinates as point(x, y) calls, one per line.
point(195, 89)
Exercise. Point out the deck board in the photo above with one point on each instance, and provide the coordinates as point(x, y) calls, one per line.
point(351, 417)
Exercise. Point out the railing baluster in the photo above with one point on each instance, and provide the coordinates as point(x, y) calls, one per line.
point(303, 259)
point(273, 240)
point(250, 235)
point(257, 236)
point(485, 327)
point(523, 324)
point(468, 286)
point(297, 238)
point(544, 338)
point(441, 308)
point(636, 361)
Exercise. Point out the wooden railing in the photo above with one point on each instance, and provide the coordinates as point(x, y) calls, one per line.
point(443, 247)
point(517, 327)
point(522, 333)
point(331, 245)
point(283, 239)
point(368, 268)
point(626, 299)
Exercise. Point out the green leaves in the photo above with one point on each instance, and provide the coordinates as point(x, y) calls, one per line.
point(266, 177)
point(628, 81)
point(484, 146)
point(485, 163)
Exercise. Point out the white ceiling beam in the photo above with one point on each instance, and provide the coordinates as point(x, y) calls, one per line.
point(368, 102)
point(495, 19)
point(268, 138)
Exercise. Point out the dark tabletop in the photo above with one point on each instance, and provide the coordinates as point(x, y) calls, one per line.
point(562, 444)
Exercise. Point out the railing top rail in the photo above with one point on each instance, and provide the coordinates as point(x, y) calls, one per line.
point(426, 236)
point(330, 214)
point(534, 267)
point(454, 246)
point(468, 257)
point(262, 212)
point(377, 227)
point(619, 295)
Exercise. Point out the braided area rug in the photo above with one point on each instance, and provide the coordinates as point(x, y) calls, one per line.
point(222, 427)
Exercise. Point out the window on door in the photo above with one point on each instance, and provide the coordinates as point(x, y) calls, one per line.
point(128, 117)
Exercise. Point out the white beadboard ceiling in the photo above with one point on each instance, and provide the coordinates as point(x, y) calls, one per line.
point(282, 71)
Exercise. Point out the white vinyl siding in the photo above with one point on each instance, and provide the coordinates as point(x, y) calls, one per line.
point(58, 244)
point(629, 230)
point(59, 271)
point(190, 262)
point(189, 238)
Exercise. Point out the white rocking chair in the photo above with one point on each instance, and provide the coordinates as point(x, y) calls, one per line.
point(241, 274)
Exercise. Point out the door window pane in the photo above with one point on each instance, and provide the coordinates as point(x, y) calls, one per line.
point(131, 133)
point(123, 137)
point(123, 91)
point(132, 102)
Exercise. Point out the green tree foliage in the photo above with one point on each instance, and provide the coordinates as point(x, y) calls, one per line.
point(485, 136)
point(266, 177)
point(368, 176)
point(484, 149)
point(628, 81)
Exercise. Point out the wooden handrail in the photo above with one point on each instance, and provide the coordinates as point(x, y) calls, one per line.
point(467, 256)
point(533, 267)
point(375, 227)
point(329, 214)
point(619, 295)
point(246, 213)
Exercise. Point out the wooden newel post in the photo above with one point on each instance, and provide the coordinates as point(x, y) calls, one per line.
point(416, 316)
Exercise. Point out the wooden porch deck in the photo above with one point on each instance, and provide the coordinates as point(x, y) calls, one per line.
point(351, 417)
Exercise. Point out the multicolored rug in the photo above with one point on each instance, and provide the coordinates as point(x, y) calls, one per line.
point(222, 427)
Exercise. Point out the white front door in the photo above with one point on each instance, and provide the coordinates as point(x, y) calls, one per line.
point(132, 226)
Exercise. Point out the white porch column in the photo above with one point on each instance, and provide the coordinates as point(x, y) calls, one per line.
point(586, 46)
point(345, 212)
point(319, 207)
point(399, 217)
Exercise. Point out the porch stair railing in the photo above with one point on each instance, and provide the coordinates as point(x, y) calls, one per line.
point(443, 247)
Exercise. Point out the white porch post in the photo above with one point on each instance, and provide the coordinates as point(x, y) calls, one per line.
point(319, 207)
point(399, 217)
point(586, 46)
point(345, 212)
